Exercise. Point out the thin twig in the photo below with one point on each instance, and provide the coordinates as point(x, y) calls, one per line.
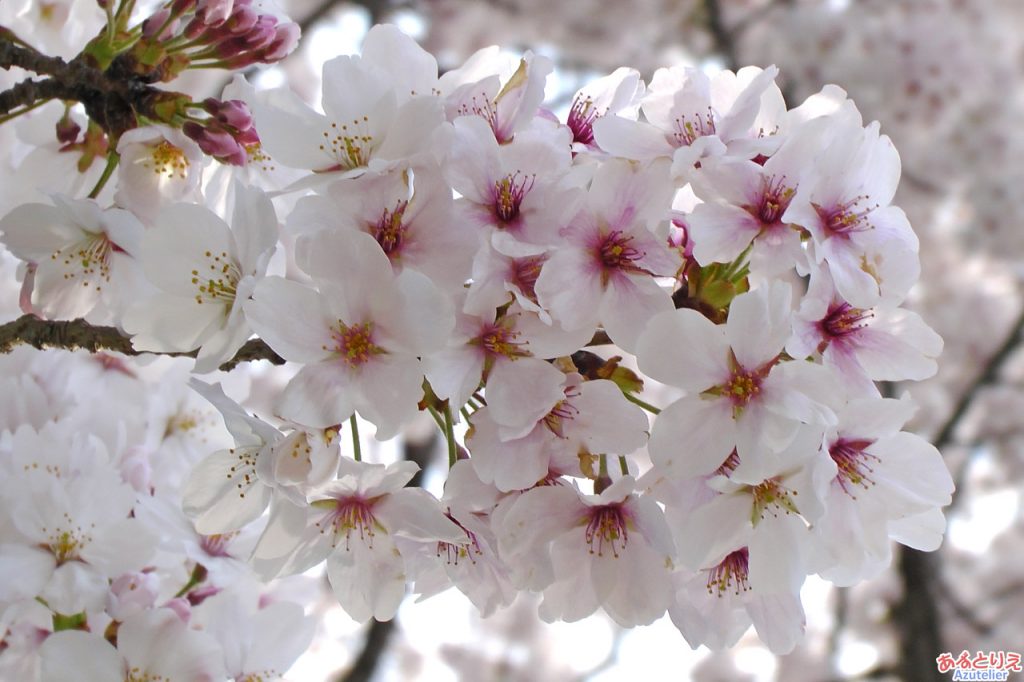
point(79, 334)
point(722, 36)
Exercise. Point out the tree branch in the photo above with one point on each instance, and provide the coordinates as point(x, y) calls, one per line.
point(917, 618)
point(29, 59)
point(79, 334)
point(988, 376)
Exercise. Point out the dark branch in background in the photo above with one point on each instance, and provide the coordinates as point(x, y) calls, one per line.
point(79, 334)
point(916, 615)
point(723, 37)
point(988, 376)
point(917, 618)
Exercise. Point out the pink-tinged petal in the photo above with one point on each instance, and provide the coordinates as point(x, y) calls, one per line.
point(160, 643)
point(720, 232)
point(291, 132)
point(625, 194)
point(550, 340)
point(922, 531)
point(520, 392)
point(254, 225)
point(842, 359)
point(455, 373)
point(853, 283)
point(886, 357)
point(638, 585)
point(79, 655)
point(776, 556)
point(353, 260)
point(802, 391)
point(692, 436)
point(292, 319)
point(120, 547)
point(683, 348)
point(607, 422)
point(515, 464)
point(471, 166)
point(538, 517)
point(881, 172)
point(760, 323)
point(713, 530)
point(628, 305)
point(389, 388)
point(223, 494)
point(179, 243)
point(779, 621)
point(353, 87)
point(913, 472)
point(166, 322)
point(569, 286)
point(411, 69)
point(320, 395)
point(412, 128)
point(26, 571)
point(630, 139)
point(650, 521)
point(421, 319)
point(416, 514)
point(875, 417)
point(368, 582)
point(34, 231)
point(291, 541)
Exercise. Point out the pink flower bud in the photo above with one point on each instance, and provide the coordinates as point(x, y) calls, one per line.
point(181, 607)
point(67, 130)
point(215, 12)
point(132, 593)
point(285, 40)
point(233, 113)
point(241, 20)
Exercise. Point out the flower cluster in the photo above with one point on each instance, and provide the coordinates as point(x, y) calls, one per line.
point(452, 247)
point(104, 575)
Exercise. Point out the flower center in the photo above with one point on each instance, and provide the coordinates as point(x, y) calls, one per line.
point(617, 253)
point(562, 410)
point(775, 198)
point(689, 128)
point(349, 144)
point(89, 259)
point(217, 281)
point(167, 160)
point(508, 195)
point(844, 319)
point(772, 497)
point(353, 514)
point(524, 274)
point(355, 344)
point(845, 218)
point(581, 120)
point(389, 230)
point(742, 387)
point(731, 574)
point(854, 464)
point(66, 541)
point(607, 524)
point(244, 470)
point(454, 552)
point(500, 339)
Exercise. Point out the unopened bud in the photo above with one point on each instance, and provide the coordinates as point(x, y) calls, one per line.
point(67, 130)
point(241, 20)
point(285, 39)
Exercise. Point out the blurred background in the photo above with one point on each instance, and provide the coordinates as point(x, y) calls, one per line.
point(946, 80)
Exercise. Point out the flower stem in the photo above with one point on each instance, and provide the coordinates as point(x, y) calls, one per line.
point(449, 434)
point(647, 406)
point(358, 453)
point(112, 158)
point(623, 465)
point(25, 110)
